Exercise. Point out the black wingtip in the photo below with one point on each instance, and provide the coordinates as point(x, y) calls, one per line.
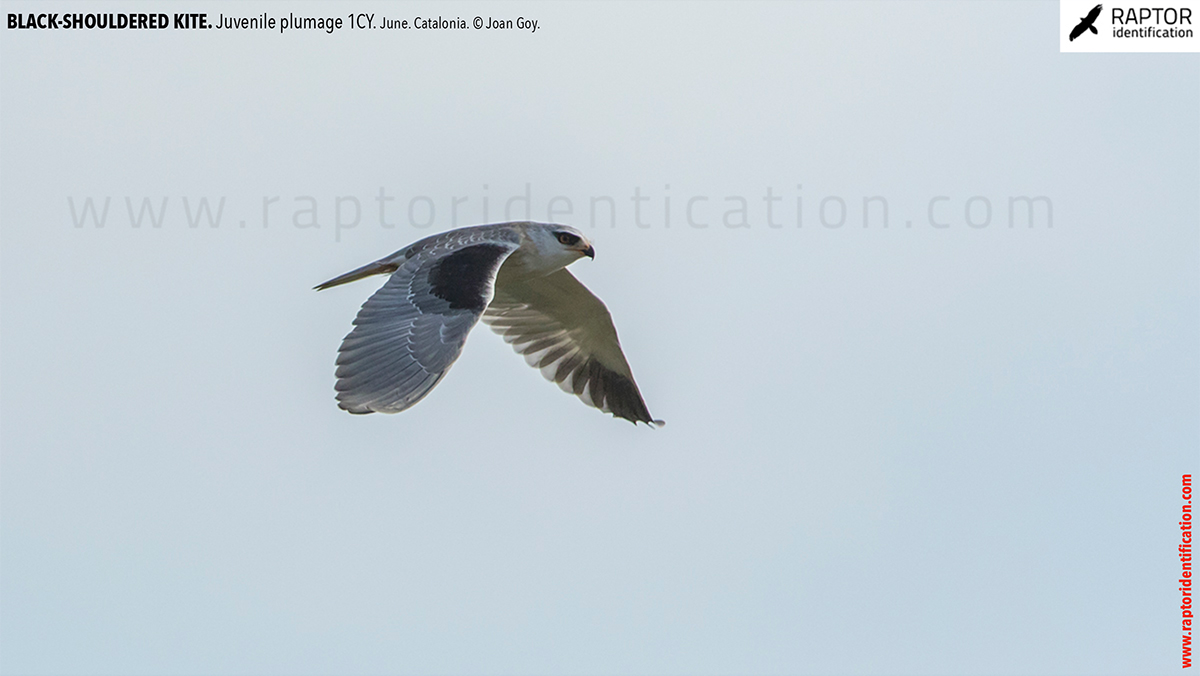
point(649, 423)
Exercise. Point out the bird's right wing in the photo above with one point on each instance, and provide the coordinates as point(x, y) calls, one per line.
point(409, 333)
point(566, 332)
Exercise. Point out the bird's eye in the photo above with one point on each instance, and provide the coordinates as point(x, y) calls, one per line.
point(567, 239)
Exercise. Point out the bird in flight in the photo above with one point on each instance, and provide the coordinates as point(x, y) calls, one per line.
point(514, 277)
point(1087, 23)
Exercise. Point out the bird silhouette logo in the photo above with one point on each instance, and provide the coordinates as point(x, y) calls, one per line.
point(1087, 23)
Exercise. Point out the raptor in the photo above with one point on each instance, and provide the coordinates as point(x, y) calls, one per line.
point(513, 276)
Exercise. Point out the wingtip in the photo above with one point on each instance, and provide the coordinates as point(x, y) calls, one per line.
point(354, 410)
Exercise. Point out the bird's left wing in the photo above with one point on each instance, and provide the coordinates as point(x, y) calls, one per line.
point(409, 333)
point(566, 332)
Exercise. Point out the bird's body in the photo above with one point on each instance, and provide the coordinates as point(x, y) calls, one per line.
point(514, 277)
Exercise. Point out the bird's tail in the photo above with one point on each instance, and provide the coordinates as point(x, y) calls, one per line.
point(1092, 28)
point(376, 268)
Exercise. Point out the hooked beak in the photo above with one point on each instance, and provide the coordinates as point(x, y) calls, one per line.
point(590, 252)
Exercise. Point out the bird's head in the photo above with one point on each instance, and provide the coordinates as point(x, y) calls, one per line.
point(561, 243)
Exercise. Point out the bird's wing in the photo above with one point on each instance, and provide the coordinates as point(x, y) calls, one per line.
point(412, 329)
point(566, 332)
point(1078, 30)
point(1092, 15)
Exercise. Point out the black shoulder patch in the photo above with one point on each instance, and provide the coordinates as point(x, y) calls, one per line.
point(461, 277)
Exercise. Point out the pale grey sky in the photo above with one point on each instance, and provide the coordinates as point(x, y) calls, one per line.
point(911, 449)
